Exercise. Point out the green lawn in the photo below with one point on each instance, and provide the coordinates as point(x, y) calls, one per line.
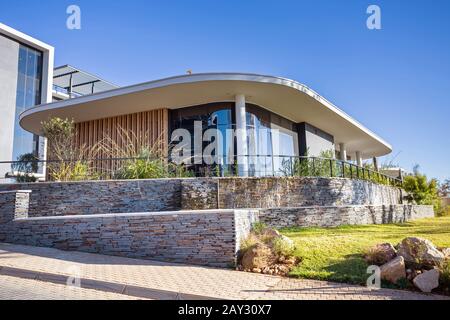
point(336, 254)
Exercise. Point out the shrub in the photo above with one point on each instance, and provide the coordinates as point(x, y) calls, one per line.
point(179, 171)
point(422, 191)
point(380, 254)
point(444, 212)
point(283, 247)
point(69, 161)
point(79, 172)
point(322, 166)
point(445, 277)
point(25, 167)
point(259, 227)
point(249, 242)
point(146, 166)
point(60, 135)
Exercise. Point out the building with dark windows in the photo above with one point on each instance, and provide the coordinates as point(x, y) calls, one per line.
point(254, 106)
point(263, 121)
point(26, 72)
point(28, 79)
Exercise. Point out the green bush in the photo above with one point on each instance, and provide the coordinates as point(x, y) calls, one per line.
point(327, 166)
point(443, 211)
point(25, 167)
point(70, 171)
point(323, 166)
point(147, 165)
point(179, 171)
point(283, 247)
point(249, 242)
point(422, 191)
point(445, 277)
point(259, 227)
point(70, 161)
point(79, 172)
point(147, 168)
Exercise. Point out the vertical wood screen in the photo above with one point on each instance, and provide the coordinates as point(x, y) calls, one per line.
point(149, 128)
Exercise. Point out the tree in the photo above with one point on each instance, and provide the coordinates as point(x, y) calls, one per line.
point(422, 191)
point(60, 136)
point(69, 162)
point(444, 188)
point(25, 167)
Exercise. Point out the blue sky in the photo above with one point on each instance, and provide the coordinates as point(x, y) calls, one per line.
point(396, 81)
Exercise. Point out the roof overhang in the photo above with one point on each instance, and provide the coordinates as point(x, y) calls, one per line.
point(24, 38)
point(285, 97)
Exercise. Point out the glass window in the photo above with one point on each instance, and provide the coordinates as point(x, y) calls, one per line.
point(272, 142)
point(22, 60)
point(212, 116)
point(285, 144)
point(28, 95)
point(271, 139)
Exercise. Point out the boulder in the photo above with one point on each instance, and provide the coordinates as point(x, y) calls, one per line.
point(446, 253)
point(381, 254)
point(283, 246)
point(258, 257)
point(288, 241)
point(291, 261)
point(411, 274)
point(420, 253)
point(394, 270)
point(270, 233)
point(427, 281)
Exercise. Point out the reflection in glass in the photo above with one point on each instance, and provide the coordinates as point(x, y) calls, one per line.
point(28, 95)
point(271, 140)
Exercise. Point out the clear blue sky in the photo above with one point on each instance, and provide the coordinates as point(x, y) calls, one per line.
point(396, 81)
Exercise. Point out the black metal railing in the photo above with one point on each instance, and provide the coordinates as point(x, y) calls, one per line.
point(250, 165)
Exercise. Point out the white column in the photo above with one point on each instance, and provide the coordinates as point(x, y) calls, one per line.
point(375, 164)
point(241, 136)
point(358, 158)
point(343, 151)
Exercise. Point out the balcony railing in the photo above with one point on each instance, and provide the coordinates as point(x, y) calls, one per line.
point(250, 166)
point(66, 92)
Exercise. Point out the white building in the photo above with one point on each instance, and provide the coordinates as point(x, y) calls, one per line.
point(26, 76)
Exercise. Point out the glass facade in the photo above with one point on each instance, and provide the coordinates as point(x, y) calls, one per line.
point(271, 139)
point(272, 142)
point(218, 116)
point(28, 95)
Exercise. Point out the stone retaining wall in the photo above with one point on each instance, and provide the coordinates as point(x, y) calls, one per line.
point(128, 196)
point(96, 197)
point(285, 192)
point(209, 238)
point(13, 205)
point(343, 215)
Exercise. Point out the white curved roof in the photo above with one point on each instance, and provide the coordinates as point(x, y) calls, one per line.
point(285, 97)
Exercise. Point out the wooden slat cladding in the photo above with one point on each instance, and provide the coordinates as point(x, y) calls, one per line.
point(149, 128)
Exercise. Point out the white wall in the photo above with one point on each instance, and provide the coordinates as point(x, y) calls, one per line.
point(10, 40)
point(314, 140)
point(9, 57)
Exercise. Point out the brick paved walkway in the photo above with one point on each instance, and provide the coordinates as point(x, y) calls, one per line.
point(150, 279)
point(13, 288)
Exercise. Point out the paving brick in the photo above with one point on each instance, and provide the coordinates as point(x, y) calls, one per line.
point(168, 279)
